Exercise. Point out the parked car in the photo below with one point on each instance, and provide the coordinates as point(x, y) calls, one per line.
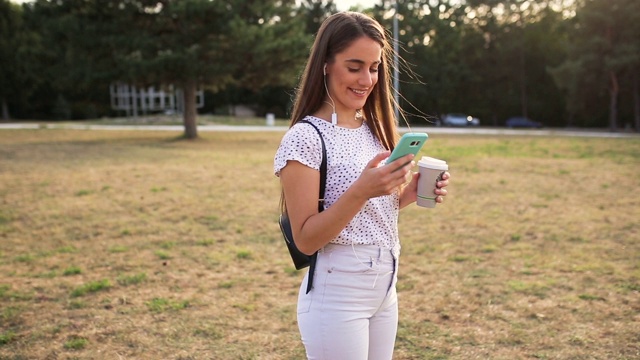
point(459, 120)
point(522, 122)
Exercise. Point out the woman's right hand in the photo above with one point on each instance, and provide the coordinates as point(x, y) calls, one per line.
point(378, 179)
point(313, 230)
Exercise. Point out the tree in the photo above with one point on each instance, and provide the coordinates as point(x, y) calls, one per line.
point(9, 20)
point(487, 58)
point(188, 43)
point(430, 47)
point(483, 57)
point(17, 43)
point(605, 46)
point(79, 63)
point(212, 44)
point(517, 40)
point(314, 12)
point(272, 91)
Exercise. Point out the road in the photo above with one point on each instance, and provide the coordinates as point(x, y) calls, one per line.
point(429, 130)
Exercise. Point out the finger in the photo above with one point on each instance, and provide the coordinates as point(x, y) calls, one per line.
point(394, 179)
point(407, 167)
point(408, 177)
point(402, 162)
point(405, 172)
point(413, 181)
point(375, 162)
point(441, 192)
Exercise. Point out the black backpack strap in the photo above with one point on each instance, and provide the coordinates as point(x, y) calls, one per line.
point(323, 168)
point(323, 183)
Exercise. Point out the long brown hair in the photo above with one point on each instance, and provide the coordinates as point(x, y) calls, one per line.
point(337, 33)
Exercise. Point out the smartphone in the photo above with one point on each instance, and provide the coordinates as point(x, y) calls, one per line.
point(410, 143)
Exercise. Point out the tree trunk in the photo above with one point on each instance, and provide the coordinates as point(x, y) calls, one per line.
point(523, 83)
point(613, 102)
point(570, 119)
point(190, 114)
point(5, 110)
point(636, 101)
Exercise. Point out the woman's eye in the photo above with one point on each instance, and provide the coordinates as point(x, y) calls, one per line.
point(357, 70)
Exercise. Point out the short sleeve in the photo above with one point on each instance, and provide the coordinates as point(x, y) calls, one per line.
point(300, 143)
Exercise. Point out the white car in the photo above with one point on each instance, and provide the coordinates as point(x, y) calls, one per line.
point(459, 120)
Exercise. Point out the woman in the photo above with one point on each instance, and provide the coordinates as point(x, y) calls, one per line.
point(345, 91)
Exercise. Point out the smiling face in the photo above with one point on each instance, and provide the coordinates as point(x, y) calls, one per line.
point(352, 75)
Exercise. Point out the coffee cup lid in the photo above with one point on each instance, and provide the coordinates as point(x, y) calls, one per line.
point(433, 163)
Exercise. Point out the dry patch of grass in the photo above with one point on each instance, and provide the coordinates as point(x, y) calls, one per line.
point(138, 245)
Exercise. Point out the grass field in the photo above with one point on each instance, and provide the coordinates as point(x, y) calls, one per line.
point(140, 245)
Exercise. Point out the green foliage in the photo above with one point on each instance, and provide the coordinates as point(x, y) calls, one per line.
point(163, 255)
point(556, 62)
point(208, 332)
point(167, 245)
point(127, 280)
point(83, 192)
point(76, 304)
point(17, 43)
point(4, 288)
point(76, 343)
point(601, 67)
point(205, 242)
point(226, 285)
point(69, 249)
point(162, 305)
point(91, 287)
point(72, 270)
point(590, 297)
point(120, 248)
point(6, 293)
point(6, 337)
point(480, 58)
point(187, 43)
point(24, 258)
point(4, 218)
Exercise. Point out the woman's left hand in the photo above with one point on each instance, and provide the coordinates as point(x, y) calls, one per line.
point(440, 190)
point(410, 191)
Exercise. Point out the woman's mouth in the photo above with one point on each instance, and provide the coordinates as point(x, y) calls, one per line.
point(359, 92)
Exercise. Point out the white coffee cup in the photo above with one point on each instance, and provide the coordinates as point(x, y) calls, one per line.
point(431, 171)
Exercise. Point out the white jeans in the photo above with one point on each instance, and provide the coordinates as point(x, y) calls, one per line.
point(352, 311)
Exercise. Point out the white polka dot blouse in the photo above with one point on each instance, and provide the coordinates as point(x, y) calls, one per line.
point(348, 153)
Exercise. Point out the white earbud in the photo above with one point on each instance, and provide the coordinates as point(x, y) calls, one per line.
point(334, 116)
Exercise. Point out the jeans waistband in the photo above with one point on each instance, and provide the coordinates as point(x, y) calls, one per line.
point(373, 251)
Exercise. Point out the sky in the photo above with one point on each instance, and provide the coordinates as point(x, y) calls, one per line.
point(343, 5)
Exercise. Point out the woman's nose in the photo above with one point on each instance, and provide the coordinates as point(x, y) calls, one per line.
point(366, 79)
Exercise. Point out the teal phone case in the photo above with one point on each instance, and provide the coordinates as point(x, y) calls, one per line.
point(410, 143)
